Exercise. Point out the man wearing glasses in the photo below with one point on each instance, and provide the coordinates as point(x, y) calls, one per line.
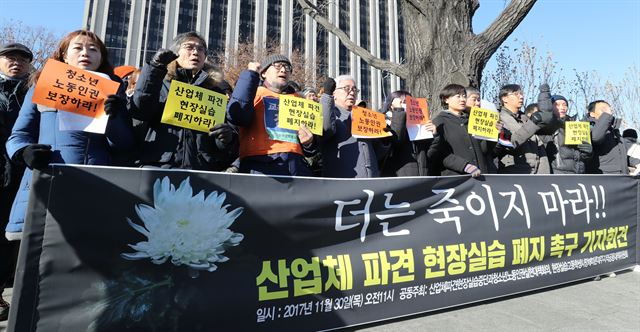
point(527, 156)
point(343, 155)
point(15, 65)
point(252, 107)
point(168, 146)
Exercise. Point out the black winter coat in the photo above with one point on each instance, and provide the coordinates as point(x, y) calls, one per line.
point(168, 146)
point(454, 148)
point(609, 152)
point(405, 158)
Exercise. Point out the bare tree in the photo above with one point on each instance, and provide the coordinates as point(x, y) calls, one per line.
point(523, 66)
point(39, 40)
point(236, 60)
point(441, 47)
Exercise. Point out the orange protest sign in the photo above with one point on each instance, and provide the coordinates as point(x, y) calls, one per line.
point(366, 123)
point(72, 89)
point(417, 110)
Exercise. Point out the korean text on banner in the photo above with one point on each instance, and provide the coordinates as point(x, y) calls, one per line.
point(482, 124)
point(295, 111)
point(366, 123)
point(577, 132)
point(417, 112)
point(193, 107)
point(71, 89)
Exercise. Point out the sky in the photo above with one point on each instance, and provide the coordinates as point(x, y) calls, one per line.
point(600, 35)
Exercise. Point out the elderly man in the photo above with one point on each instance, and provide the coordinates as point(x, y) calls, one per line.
point(344, 156)
point(609, 152)
point(15, 65)
point(168, 146)
point(249, 109)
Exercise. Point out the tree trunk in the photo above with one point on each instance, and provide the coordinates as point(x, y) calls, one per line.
point(440, 45)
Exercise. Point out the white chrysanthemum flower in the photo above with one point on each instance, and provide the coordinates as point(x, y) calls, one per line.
point(191, 230)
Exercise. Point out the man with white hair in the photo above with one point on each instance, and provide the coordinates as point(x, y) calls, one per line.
point(344, 156)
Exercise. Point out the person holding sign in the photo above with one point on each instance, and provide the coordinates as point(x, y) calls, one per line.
point(564, 158)
point(174, 146)
point(15, 65)
point(528, 155)
point(406, 157)
point(343, 155)
point(37, 138)
point(456, 151)
point(609, 152)
point(253, 108)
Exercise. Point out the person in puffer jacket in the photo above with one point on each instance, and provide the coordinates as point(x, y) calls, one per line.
point(37, 140)
point(609, 152)
point(169, 146)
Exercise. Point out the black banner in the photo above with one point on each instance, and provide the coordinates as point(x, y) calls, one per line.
point(111, 249)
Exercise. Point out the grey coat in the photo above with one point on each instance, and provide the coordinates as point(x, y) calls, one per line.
point(528, 155)
point(344, 156)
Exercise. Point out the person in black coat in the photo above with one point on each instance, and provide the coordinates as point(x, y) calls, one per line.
point(456, 151)
point(406, 157)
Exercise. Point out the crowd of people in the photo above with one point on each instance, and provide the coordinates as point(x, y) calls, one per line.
point(531, 139)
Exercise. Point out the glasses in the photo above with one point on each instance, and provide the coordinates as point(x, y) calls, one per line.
point(16, 58)
point(348, 89)
point(279, 65)
point(517, 94)
point(193, 47)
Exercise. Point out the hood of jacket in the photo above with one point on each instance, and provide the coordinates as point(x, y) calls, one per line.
point(209, 77)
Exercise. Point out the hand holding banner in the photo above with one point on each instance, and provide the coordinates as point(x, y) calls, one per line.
point(482, 124)
point(71, 89)
point(295, 111)
point(192, 107)
point(576, 132)
point(366, 123)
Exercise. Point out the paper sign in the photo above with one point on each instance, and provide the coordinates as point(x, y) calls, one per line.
point(482, 124)
point(192, 107)
point(71, 89)
point(416, 113)
point(634, 151)
point(271, 110)
point(417, 117)
point(366, 123)
point(576, 132)
point(295, 111)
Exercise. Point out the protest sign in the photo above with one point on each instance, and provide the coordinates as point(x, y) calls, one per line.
point(294, 111)
point(271, 115)
point(482, 124)
point(577, 132)
point(178, 250)
point(192, 107)
point(417, 111)
point(71, 89)
point(366, 123)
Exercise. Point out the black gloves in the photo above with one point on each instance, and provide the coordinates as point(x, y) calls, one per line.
point(329, 86)
point(113, 104)
point(163, 57)
point(545, 104)
point(585, 148)
point(542, 118)
point(37, 156)
point(222, 133)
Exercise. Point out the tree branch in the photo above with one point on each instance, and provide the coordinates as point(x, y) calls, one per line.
point(489, 40)
point(394, 68)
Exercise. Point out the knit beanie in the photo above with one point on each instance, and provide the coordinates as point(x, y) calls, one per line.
point(555, 98)
point(273, 59)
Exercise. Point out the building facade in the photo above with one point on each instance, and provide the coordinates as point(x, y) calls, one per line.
point(134, 29)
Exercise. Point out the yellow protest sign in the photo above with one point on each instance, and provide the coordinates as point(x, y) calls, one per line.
point(366, 123)
point(482, 124)
point(295, 111)
point(192, 107)
point(576, 132)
